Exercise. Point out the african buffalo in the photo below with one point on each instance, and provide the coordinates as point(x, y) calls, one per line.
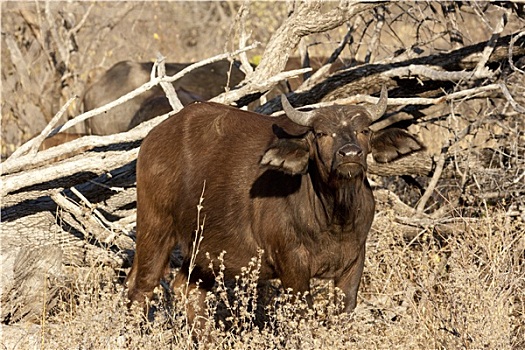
point(59, 139)
point(202, 83)
point(293, 186)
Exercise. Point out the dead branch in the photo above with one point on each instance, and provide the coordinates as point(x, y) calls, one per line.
point(93, 162)
point(80, 118)
point(449, 11)
point(62, 50)
point(243, 38)
point(254, 87)
point(511, 55)
point(306, 19)
point(31, 148)
point(148, 86)
point(481, 68)
point(505, 90)
point(415, 164)
point(168, 88)
point(82, 144)
point(372, 48)
point(440, 163)
point(369, 77)
point(94, 226)
point(324, 71)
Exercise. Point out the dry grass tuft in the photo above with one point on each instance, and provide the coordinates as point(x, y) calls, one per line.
point(465, 290)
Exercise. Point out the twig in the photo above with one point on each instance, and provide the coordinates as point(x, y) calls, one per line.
point(18, 60)
point(243, 38)
point(324, 71)
point(480, 71)
point(374, 42)
point(31, 146)
point(517, 107)
point(511, 47)
point(449, 11)
point(64, 53)
point(36, 29)
point(168, 88)
point(440, 163)
point(81, 22)
point(337, 52)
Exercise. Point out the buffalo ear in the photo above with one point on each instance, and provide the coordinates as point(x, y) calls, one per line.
point(390, 144)
point(287, 155)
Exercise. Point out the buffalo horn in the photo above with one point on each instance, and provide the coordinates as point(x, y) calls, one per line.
point(377, 110)
point(300, 118)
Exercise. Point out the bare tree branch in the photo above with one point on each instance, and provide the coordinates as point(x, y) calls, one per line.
point(306, 19)
point(168, 88)
point(481, 69)
point(32, 147)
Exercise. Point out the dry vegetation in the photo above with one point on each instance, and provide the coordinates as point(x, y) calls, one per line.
point(445, 264)
point(460, 291)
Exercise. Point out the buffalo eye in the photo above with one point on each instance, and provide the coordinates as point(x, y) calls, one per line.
point(320, 134)
point(365, 132)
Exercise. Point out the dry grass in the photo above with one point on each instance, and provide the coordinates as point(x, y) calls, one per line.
point(461, 291)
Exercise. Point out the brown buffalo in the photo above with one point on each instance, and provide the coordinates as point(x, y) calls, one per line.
point(59, 139)
point(294, 187)
point(202, 83)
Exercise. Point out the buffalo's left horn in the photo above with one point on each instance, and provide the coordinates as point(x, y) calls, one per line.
point(377, 110)
point(301, 118)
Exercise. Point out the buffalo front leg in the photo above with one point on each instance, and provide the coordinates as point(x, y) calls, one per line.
point(350, 280)
point(298, 280)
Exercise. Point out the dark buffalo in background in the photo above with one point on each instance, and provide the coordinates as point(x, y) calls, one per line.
point(202, 83)
point(155, 106)
point(293, 186)
point(199, 85)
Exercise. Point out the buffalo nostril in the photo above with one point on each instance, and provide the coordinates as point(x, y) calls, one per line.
point(350, 151)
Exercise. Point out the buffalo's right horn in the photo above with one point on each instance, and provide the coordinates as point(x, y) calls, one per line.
point(301, 118)
point(377, 110)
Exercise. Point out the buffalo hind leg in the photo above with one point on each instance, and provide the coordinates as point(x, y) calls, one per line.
point(195, 294)
point(151, 260)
